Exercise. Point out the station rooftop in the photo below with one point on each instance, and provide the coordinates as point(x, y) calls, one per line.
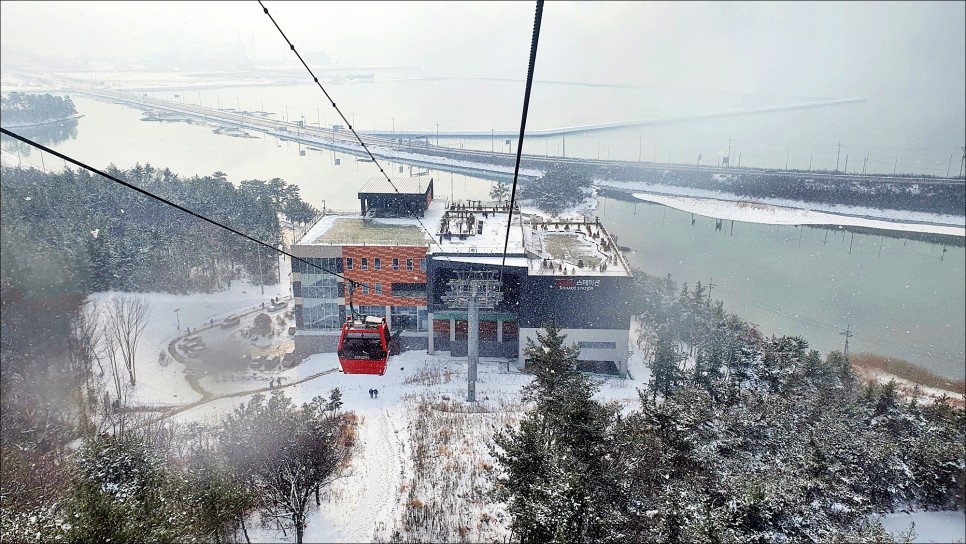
point(401, 185)
point(475, 232)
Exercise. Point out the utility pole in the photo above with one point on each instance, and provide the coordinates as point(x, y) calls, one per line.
point(473, 290)
point(472, 345)
point(865, 163)
point(729, 151)
point(846, 163)
point(739, 160)
point(949, 164)
point(962, 164)
point(787, 151)
point(177, 313)
point(837, 155)
point(847, 333)
point(711, 285)
point(810, 162)
point(894, 166)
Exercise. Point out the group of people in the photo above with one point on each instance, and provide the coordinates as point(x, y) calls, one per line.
point(275, 382)
point(373, 393)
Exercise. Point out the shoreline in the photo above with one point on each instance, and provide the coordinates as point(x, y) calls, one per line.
point(805, 213)
point(45, 123)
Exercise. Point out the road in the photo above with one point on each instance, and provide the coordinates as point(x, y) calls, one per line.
point(419, 151)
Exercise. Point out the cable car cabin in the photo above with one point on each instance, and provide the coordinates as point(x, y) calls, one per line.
point(364, 346)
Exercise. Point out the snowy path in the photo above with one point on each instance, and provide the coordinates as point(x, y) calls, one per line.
point(367, 499)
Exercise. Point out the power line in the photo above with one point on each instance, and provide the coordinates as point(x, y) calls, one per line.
point(346, 120)
point(538, 17)
point(166, 201)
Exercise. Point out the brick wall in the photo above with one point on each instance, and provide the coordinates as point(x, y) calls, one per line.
point(387, 276)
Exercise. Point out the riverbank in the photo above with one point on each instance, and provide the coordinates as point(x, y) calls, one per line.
point(913, 381)
point(775, 211)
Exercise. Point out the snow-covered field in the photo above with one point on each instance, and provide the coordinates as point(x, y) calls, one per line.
point(776, 211)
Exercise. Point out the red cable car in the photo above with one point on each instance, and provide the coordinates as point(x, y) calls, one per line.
point(364, 345)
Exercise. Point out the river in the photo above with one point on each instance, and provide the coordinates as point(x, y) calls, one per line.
point(899, 297)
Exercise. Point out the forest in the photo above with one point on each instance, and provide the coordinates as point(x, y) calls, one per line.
point(24, 109)
point(738, 438)
point(68, 234)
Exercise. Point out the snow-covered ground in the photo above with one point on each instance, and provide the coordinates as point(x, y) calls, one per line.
point(384, 485)
point(163, 383)
point(421, 450)
point(946, 527)
point(778, 211)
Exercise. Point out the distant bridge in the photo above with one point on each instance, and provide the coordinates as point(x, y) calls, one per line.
point(414, 147)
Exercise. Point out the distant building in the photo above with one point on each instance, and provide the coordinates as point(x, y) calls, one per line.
point(570, 271)
point(404, 197)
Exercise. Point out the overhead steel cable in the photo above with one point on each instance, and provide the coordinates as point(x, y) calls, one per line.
point(538, 17)
point(346, 120)
point(168, 202)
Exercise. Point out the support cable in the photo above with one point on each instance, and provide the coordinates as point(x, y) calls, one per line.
point(523, 124)
point(346, 120)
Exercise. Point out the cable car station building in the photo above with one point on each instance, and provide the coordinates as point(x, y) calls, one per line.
point(568, 271)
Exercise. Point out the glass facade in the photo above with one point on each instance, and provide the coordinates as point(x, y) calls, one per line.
point(376, 311)
point(320, 294)
point(410, 318)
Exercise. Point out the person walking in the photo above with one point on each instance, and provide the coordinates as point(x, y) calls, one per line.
point(370, 393)
point(376, 392)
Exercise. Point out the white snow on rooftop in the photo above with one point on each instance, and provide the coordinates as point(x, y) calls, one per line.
point(401, 185)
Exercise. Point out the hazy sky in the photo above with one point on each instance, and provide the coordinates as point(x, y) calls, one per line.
point(807, 49)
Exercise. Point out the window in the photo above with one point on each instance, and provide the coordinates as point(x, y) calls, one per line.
point(422, 264)
point(597, 345)
point(375, 311)
point(365, 286)
point(378, 288)
point(365, 263)
point(409, 264)
point(409, 290)
point(377, 264)
point(395, 263)
point(348, 263)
